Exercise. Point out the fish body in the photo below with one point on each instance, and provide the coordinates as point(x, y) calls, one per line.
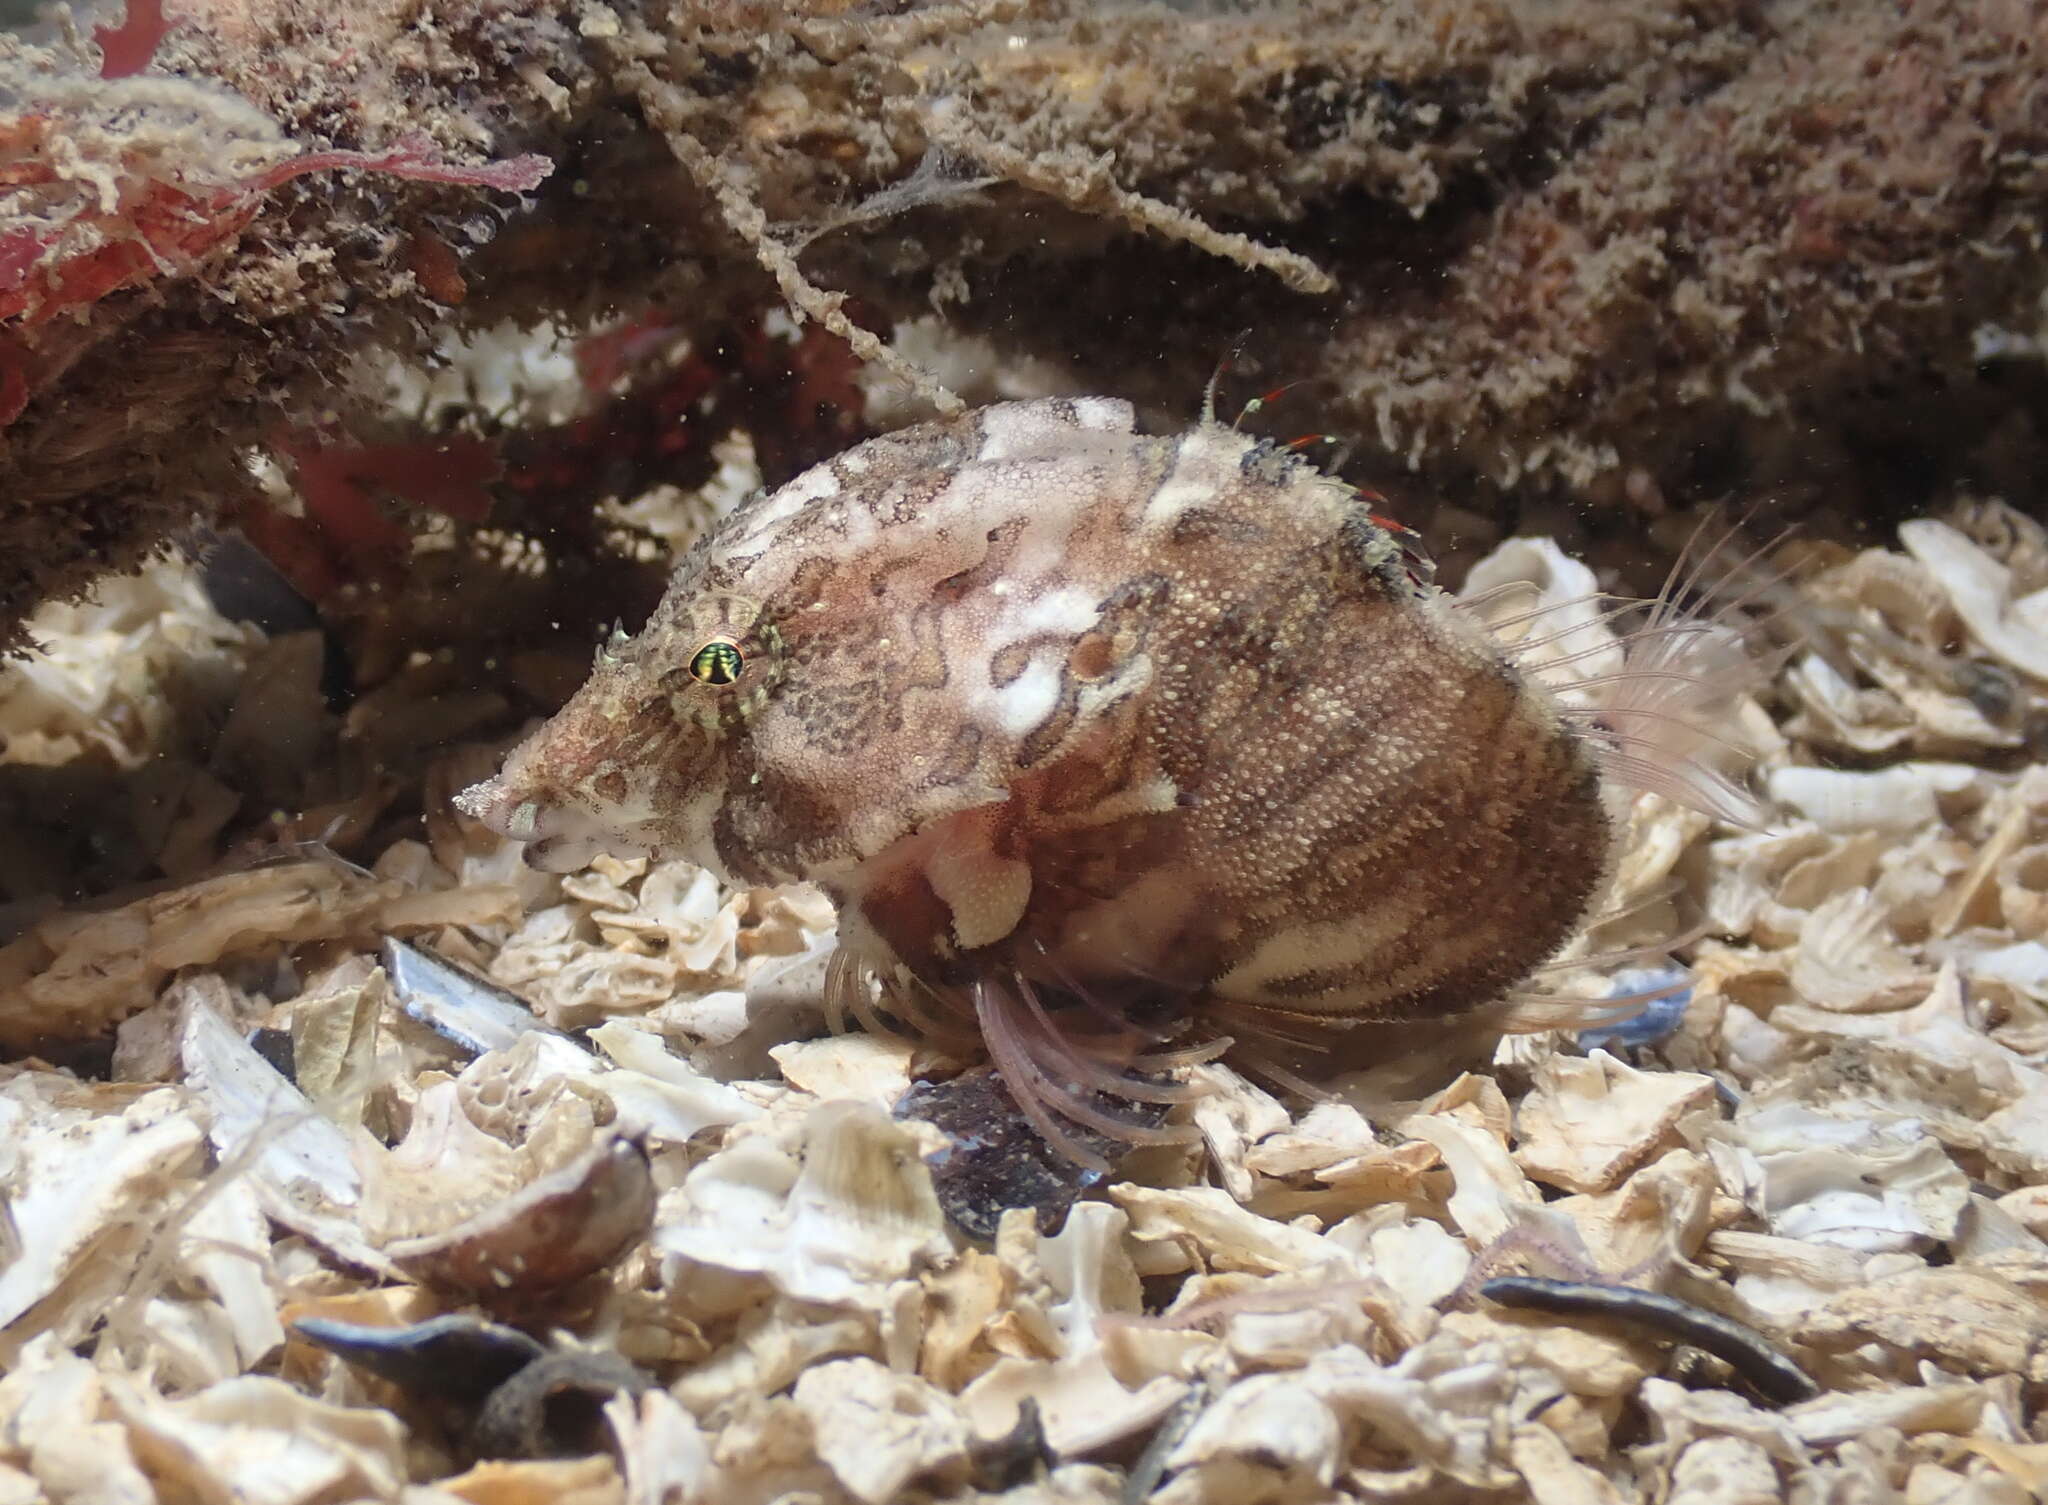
point(1055, 710)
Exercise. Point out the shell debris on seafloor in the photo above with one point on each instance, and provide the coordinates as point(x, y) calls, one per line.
point(1835, 1142)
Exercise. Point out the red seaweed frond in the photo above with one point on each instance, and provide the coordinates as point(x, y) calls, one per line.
point(126, 49)
point(414, 158)
point(345, 533)
point(602, 358)
point(158, 228)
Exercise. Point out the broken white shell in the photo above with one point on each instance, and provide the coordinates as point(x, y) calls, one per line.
point(831, 1208)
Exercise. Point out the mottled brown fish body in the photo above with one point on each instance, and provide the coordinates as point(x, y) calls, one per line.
point(1145, 717)
point(1401, 829)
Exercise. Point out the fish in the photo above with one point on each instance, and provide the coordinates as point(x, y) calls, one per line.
point(1121, 751)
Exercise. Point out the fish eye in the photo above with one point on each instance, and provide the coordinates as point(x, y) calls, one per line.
point(718, 662)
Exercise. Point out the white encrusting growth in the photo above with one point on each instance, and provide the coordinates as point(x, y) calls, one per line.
point(1206, 459)
point(1025, 701)
point(1044, 613)
point(1033, 428)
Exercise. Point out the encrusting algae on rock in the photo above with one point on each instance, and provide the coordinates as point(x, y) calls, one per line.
point(1120, 751)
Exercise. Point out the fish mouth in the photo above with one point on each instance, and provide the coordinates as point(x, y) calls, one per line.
point(558, 837)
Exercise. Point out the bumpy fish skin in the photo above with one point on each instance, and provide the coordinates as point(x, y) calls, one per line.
point(1036, 697)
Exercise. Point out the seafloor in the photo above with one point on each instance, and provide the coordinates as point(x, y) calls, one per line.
point(425, 334)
